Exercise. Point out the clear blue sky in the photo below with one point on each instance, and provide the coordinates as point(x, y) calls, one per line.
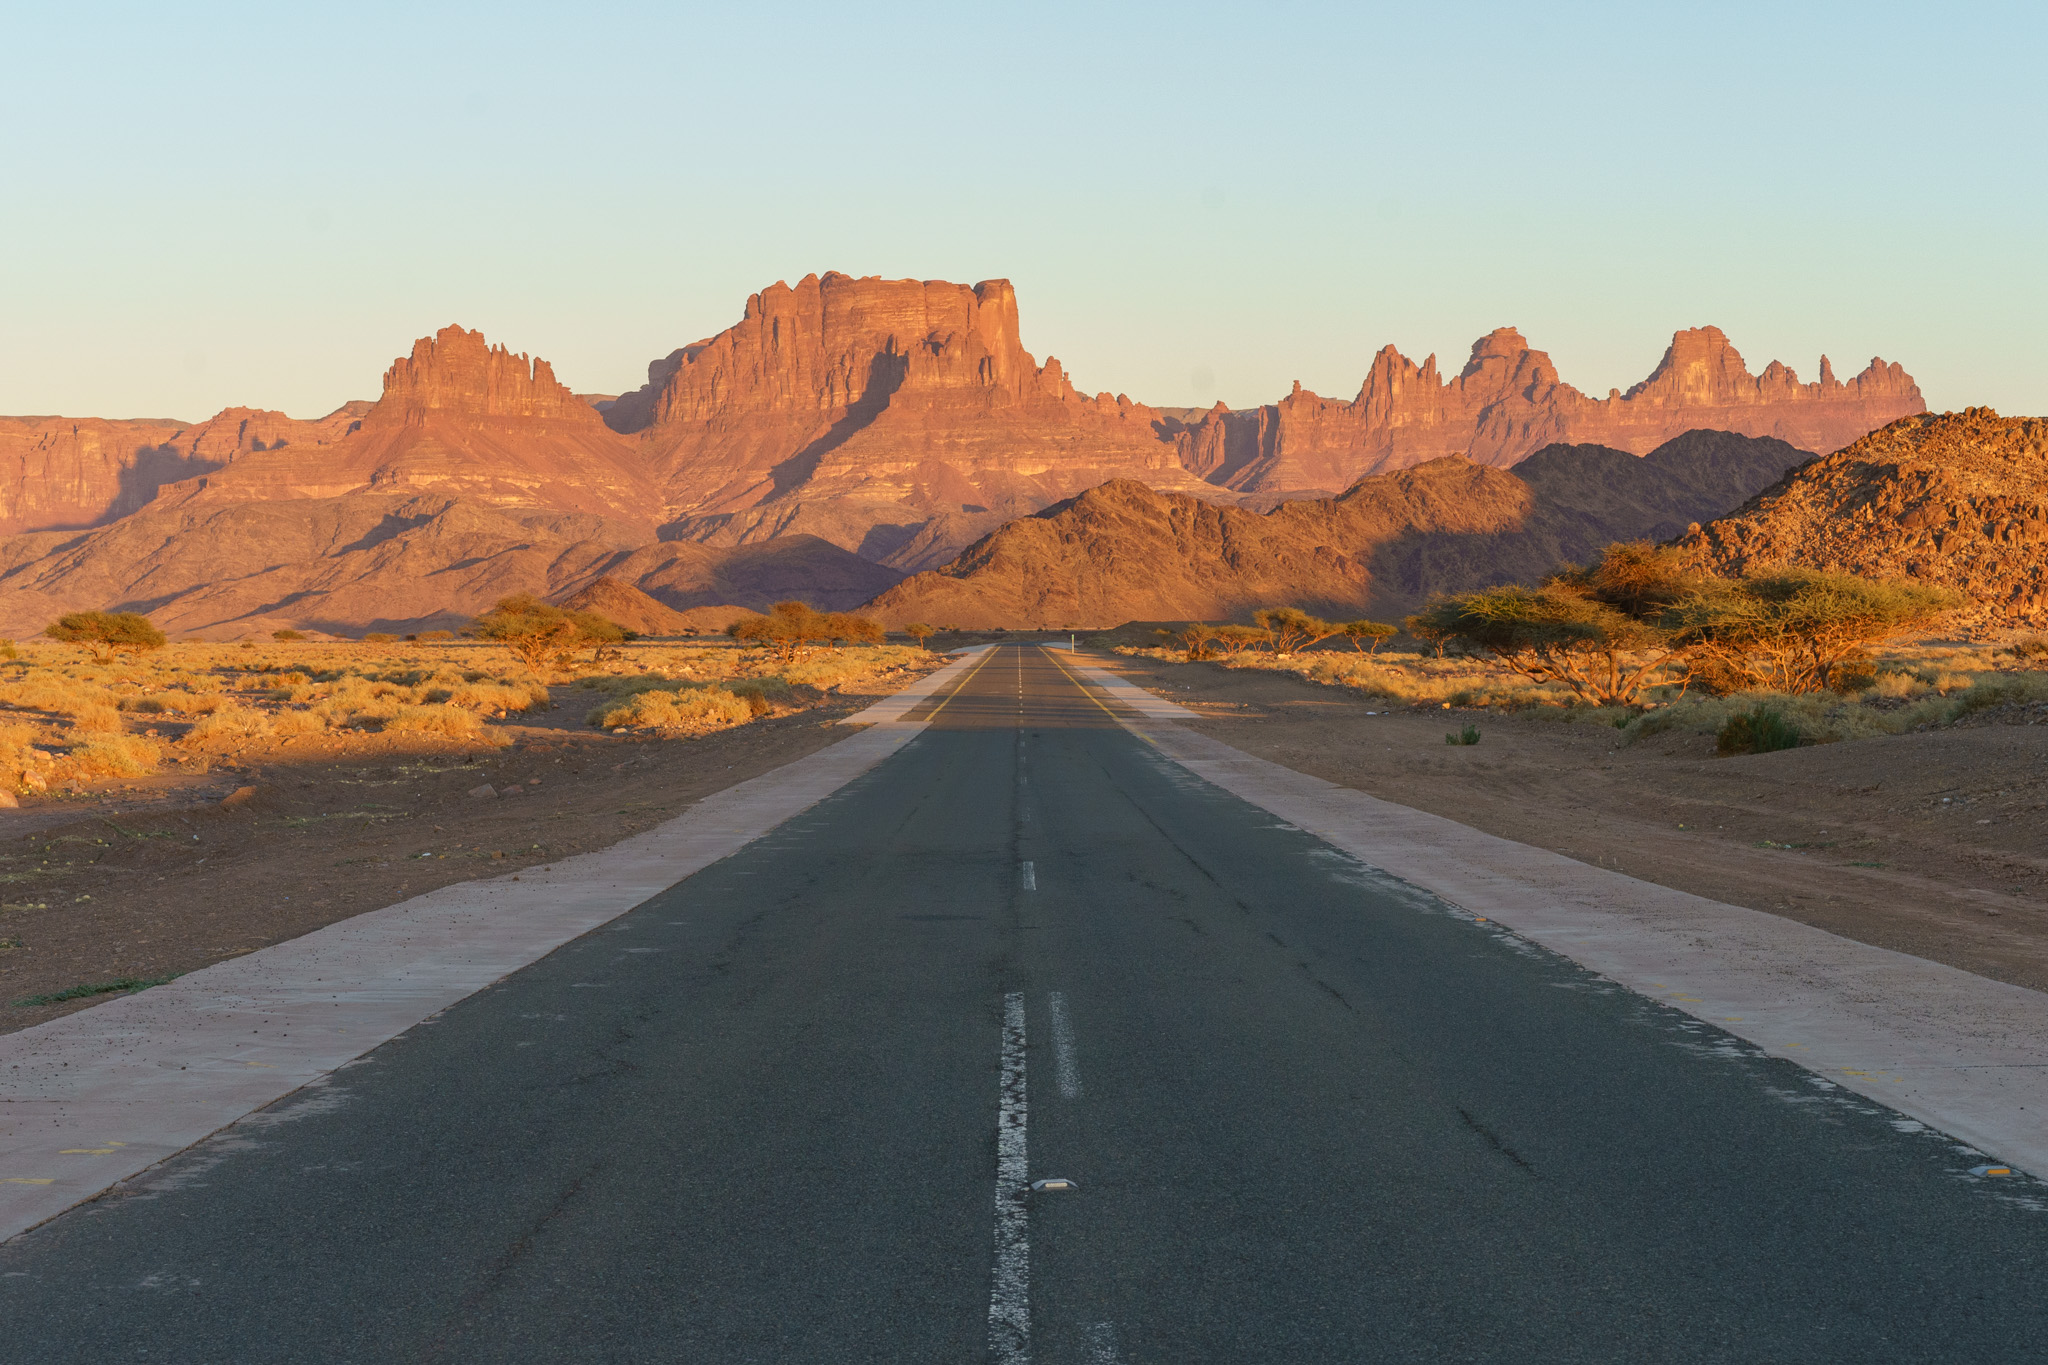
point(264, 204)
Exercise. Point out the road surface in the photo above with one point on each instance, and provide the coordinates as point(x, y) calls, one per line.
point(789, 1111)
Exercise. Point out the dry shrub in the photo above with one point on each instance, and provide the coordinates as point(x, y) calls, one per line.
point(696, 708)
point(2000, 689)
point(495, 697)
point(96, 720)
point(109, 756)
point(22, 765)
point(59, 695)
point(298, 723)
point(227, 726)
point(851, 665)
point(435, 719)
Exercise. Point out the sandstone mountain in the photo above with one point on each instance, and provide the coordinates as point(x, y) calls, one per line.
point(1508, 401)
point(844, 431)
point(59, 473)
point(626, 605)
point(373, 561)
point(902, 419)
point(1126, 552)
point(868, 410)
point(1958, 498)
point(465, 419)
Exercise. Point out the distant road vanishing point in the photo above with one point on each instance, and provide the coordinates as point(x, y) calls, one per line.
point(1031, 1045)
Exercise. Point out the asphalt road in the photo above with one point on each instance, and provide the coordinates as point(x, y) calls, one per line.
point(782, 1113)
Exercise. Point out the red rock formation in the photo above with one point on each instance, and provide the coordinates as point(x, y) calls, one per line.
point(1955, 498)
point(467, 419)
point(61, 473)
point(1509, 401)
point(896, 400)
point(1124, 552)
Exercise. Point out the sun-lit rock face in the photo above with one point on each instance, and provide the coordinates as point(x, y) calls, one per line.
point(872, 410)
point(1508, 402)
point(1955, 498)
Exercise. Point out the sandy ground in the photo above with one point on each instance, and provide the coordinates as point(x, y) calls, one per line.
point(1934, 844)
point(151, 878)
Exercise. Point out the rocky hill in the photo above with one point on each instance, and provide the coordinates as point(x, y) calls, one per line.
point(1958, 498)
point(1127, 552)
point(465, 419)
point(60, 473)
point(902, 419)
point(372, 561)
point(862, 410)
point(625, 605)
point(1508, 402)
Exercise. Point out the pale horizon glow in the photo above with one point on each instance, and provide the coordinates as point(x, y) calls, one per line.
point(252, 206)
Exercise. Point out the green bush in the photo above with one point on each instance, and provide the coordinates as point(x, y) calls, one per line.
point(1763, 730)
point(1468, 735)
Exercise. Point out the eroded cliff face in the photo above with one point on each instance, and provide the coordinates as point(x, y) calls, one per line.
point(60, 473)
point(462, 418)
point(1955, 498)
point(903, 418)
point(895, 401)
point(1509, 401)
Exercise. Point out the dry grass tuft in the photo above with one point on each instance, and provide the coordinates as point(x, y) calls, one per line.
point(696, 709)
point(435, 719)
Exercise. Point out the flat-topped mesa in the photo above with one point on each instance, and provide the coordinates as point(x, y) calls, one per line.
point(1509, 400)
point(867, 410)
point(832, 344)
point(456, 372)
point(462, 418)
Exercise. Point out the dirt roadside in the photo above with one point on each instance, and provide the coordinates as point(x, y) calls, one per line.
point(1934, 844)
point(146, 879)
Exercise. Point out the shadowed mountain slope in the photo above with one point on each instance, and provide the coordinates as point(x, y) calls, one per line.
point(369, 561)
point(1125, 552)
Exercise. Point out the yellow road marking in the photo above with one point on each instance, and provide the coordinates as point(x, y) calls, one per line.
point(1083, 687)
point(23, 1180)
point(88, 1151)
point(963, 683)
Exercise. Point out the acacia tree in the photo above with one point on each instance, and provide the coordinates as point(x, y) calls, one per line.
point(1794, 630)
point(543, 636)
point(920, 632)
point(1289, 629)
point(1237, 639)
point(789, 628)
point(106, 633)
point(1359, 633)
point(1423, 627)
point(1598, 631)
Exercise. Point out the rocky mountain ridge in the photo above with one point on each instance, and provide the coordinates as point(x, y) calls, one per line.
point(1509, 401)
point(1957, 498)
point(1126, 552)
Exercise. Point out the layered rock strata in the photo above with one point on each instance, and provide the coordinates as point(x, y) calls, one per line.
point(464, 419)
point(1508, 402)
point(866, 410)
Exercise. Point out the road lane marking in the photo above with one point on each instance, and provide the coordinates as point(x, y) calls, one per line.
point(933, 714)
point(1009, 1300)
point(1065, 1070)
point(1102, 1344)
point(1030, 876)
